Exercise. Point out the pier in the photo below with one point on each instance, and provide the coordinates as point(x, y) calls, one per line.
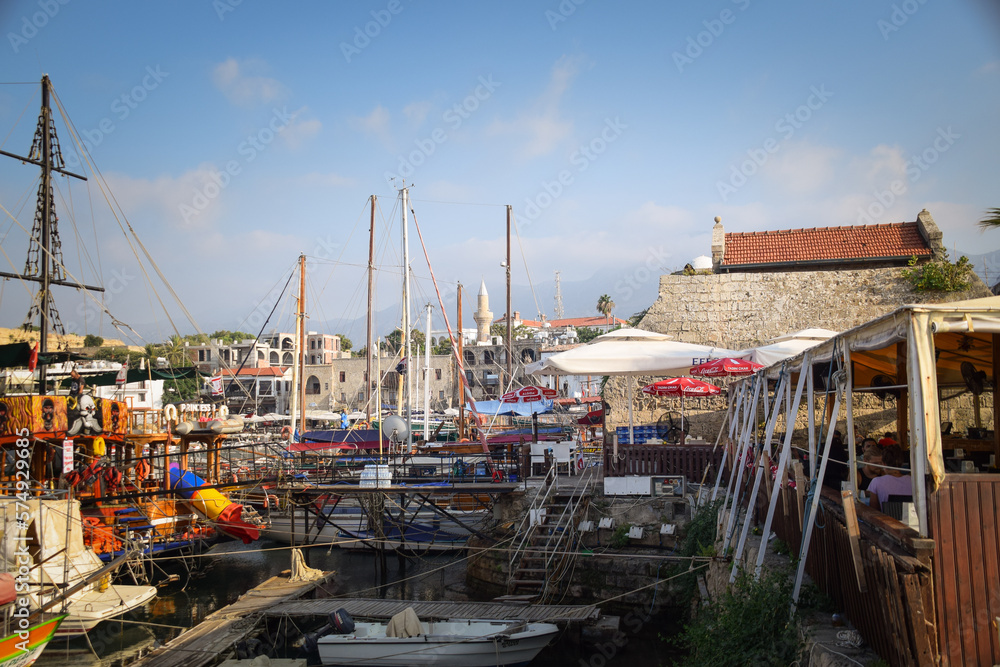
point(205, 643)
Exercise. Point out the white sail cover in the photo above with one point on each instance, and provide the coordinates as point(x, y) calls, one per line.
point(629, 357)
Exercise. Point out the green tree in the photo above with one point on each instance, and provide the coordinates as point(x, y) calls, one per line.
point(586, 334)
point(90, 340)
point(394, 341)
point(443, 346)
point(604, 306)
point(230, 337)
point(345, 343)
point(519, 332)
point(940, 275)
point(637, 317)
point(992, 219)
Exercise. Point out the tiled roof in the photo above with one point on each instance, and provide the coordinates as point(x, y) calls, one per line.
point(825, 244)
point(595, 321)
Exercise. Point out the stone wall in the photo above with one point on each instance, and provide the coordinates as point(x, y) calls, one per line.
point(741, 310)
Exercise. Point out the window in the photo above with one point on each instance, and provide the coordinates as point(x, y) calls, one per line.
point(488, 357)
point(326, 386)
point(142, 397)
point(437, 373)
point(441, 394)
point(343, 397)
point(470, 358)
point(274, 358)
point(343, 376)
point(201, 355)
point(361, 396)
point(469, 377)
point(312, 385)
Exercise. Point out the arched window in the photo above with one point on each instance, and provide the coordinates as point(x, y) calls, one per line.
point(274, 358)
point(488, 357)
point(470, 358)
point(260, 355)
point(286, 359)
point(527, 355)
point(312, 385)
point(286, 343)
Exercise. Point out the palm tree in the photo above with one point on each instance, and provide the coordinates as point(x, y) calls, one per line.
point(604, 306)
point(992, 219)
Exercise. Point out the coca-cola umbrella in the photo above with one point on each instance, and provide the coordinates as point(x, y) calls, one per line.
point(683, 387)
point(529, 394)
point(726, 367)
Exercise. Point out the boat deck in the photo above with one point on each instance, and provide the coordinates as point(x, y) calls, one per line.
point(404, 489)
point(221, 630)
point(427, 610)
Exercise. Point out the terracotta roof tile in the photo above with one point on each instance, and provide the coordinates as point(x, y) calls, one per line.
point(825, 244)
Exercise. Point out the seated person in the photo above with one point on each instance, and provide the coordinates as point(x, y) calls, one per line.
point(836, 467)
point(893, 481)
point(872, 456)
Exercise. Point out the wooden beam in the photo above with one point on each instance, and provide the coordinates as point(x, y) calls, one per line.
point(902, 404)
point(996, 403)
point(854, 536)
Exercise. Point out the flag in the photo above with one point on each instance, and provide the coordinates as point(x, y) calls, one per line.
point(215, 384)
point(122, 376)
point(401, 366)
point(33, 358)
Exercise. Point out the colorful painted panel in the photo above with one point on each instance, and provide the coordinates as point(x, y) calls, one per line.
point(64, 415)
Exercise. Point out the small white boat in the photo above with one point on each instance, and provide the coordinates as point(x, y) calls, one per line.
point(452, 643)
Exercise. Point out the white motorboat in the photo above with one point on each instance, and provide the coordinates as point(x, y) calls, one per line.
point(456, 642)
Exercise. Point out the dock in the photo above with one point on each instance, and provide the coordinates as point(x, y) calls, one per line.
point(428, 610)
point(205, 643)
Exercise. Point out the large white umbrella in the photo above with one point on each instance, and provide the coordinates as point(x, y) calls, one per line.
point(787, 346)
point(629, 352)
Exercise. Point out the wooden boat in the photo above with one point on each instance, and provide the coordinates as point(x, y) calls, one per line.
point(27, 638)
point(456, 642)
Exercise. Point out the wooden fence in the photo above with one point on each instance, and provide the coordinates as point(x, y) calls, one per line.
point(895, 611)
point(687, 460)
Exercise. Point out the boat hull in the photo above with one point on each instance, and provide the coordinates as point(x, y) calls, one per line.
point(15, 651)
point(495, 648)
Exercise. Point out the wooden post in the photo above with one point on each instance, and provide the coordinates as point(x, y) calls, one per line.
point(854, 535)
point(996, 403)
point(903, 403)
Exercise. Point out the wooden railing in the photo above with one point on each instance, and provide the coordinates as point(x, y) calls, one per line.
point(687, 460)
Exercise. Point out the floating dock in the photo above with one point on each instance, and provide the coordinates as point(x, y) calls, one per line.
point(203, 644)
point(428, 610)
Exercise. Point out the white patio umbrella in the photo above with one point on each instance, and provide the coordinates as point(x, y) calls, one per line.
point(629, 352)
point(787, 346)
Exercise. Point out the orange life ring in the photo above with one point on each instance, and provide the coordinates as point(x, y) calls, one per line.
point(286, 432)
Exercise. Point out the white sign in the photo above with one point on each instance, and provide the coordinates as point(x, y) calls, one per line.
point(67, 456)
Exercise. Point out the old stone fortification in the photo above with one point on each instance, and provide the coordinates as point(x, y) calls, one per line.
point(740, 310)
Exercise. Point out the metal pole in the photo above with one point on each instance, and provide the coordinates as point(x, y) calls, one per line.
point(510, 315)
point(427, 376)
point(406, 321)
point(458, 369)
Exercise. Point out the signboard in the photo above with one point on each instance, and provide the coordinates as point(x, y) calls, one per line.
point(67, 456)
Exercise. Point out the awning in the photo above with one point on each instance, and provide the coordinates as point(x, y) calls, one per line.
point(495, 408)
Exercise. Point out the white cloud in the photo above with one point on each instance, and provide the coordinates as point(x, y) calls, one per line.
point(243, 84)
point(542, 125)
point(164, 196)
point(989, 68)
point(801, 168)
point(416, 112)
point(376, 124)
point(300, 130)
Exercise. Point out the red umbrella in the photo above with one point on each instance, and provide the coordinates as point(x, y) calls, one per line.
point(682, 386)
point(726, 368)
point(528, 394)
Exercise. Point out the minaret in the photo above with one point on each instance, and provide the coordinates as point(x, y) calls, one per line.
point(483, 316)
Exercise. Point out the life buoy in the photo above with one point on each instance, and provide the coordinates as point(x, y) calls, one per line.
point(223, 412)
point(170, 413)
point(286, 432)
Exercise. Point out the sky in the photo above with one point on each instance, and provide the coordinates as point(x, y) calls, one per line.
point(235, 135)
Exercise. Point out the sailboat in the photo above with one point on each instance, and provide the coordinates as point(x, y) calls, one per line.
point(113, 463)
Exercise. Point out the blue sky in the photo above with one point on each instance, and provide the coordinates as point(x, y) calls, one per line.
point(616, 131)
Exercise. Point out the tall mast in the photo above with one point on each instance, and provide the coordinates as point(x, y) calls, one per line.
point(44, 265)
point(368, 346)
point(427, 376)
point(510, 316)
point(302, 344)
point(458, 369)
point(406, 319)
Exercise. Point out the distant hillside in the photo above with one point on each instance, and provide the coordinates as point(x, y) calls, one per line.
point(55, 340)
point(987, 266)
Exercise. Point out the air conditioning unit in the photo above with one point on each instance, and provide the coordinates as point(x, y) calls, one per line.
point(669, 485)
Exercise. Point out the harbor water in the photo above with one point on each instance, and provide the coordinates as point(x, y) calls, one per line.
point(217, 578)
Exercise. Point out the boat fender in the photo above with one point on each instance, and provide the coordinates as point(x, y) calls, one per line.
point(170, 413)
point(342, 622)
point(286, 432)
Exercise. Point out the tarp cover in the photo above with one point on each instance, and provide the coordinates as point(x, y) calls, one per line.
point(629, 357)
point(137, 375)
point(493, 408)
